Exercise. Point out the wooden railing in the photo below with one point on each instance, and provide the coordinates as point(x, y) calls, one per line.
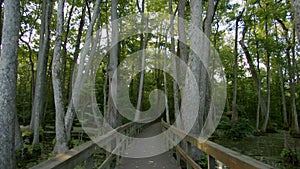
point(84, 152)
point(230, 158)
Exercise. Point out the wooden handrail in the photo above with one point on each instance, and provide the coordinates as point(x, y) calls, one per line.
point(228, 157)
point(81, 153)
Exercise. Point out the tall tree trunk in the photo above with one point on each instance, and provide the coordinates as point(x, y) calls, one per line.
point(38, 102)
point(166, 84)
point(253, 72)
point(60, 132)
point(283, 100)
point(182, 47)
point(234, 117)
point(141, 78)
point(112, 117)
point(64, 54)
point(8, 82)
point(204, 66)
point(296, 7)
point(194, 60)
point(265, 125)
point(77, 49)
point(70, 111)
point(1, 22)
point(182, 36)
point(258, 76)
point(175, 65)
point(292, 66)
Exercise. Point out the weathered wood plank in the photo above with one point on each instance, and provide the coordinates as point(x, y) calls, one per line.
point(188, 159)
point(75, 156)
point(228, 157)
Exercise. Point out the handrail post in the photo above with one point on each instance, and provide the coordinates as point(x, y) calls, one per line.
point(119, 149)
point(177, 152)
point(189, 152)
point(108, 150)
point(211, 162)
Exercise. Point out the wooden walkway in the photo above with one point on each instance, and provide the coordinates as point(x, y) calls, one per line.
point(161, 161)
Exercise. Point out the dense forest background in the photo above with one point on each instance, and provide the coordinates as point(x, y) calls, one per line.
point(257, 41)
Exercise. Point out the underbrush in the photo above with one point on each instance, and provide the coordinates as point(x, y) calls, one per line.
point(241, 129)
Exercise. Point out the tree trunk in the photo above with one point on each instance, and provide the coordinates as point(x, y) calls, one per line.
point(182, 47)
point(70, 111)
point(265, 125)
point(292, 65)
point(38, 102)
point(175, 65)
point(283, 100)
point(60, 134)
point(112, 117)
point(8, 81)
point(254, 76)
point(234, 116)
point(64, 55)
point(166, 84)
point(194, 60)
point(141, 78)
point(1, 22)
point(296, 7)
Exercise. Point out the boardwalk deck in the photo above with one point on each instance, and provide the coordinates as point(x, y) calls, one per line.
point(161, 161)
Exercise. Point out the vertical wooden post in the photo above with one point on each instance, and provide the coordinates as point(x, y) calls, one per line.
point(108, 150)
point(189, 152)
point(177, 153)
point(118, 148)
point(211, 162)
point(89, 162)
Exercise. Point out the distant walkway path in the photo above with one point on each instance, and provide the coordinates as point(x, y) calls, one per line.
point(161, 161)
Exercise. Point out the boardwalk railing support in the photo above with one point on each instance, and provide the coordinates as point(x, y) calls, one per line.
point(84, 152)
point(211, 162)
point(214, 151)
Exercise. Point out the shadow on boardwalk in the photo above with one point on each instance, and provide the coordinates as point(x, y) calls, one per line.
point(163, 161)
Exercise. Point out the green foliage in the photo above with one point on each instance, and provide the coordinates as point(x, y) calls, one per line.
point(75, 142)
point(290, 156)
point(241, 129)
point(203, 162)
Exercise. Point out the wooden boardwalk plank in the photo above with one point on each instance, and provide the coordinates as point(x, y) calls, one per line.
point(164, 160)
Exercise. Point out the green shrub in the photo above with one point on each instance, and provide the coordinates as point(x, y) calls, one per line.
point(241, 129)
point(290, 156)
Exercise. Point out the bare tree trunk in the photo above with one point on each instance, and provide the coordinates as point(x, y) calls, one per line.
point(77, 49)
point(70, 111)
point(60, 134)
point(8, 82)
point(1, 21)
point(112, 117)
point(194, 60)
point(175, 65)
point(182, 47)
point(292, 66)
point(265, 125)
point(142, 47)
point(253, 73)
point(38, 102)
point(182, 36)
point(296, 7)
point(166, 84)
point(258, 76)
point(64, 54)
point(234, 116)
point(283, 100)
